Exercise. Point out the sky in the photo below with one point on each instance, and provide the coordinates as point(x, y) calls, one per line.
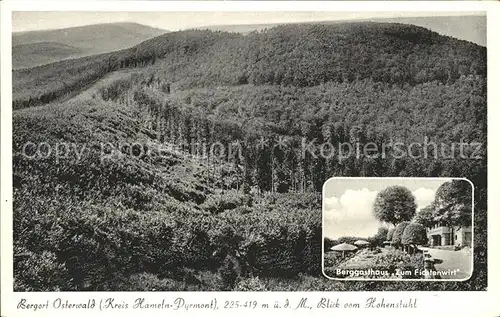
point(173, 21)
point(347, 203)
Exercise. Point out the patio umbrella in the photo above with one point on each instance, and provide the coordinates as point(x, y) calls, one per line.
point(361, 242)
point(343, 247)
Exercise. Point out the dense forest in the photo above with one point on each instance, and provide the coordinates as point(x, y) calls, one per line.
point(188, 219)
point(290, 55)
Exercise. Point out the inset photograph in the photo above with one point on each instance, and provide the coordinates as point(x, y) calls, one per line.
point(398, 228)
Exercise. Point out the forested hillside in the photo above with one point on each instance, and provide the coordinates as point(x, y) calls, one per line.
point(294, 55)
point(188, 219)
point(470, 28)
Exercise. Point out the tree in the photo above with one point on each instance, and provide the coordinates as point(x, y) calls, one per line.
point(398, 233)
point(425, 216)
point(394, 205)
point(380, 236)
point(457, 191)
point(390, 234)
point(414, 234)
point(329, 243)
point(453, 203)
point(461, 215)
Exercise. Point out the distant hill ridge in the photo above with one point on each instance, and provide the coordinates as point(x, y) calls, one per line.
point(85, 40)
point(469, 28)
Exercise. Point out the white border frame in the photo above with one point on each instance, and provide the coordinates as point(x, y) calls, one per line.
point(416, 179)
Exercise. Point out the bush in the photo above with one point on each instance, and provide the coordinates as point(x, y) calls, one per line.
point(147, 282)
point(414, 233)
point(39, 272)
point(390, 233)
point(379, 238)
point(386, 262)
point(253, 284)
point(332, 259)
point(243, 210)
point(284, 250)
point(398, 232)
point(328, 243)
point(216, 204)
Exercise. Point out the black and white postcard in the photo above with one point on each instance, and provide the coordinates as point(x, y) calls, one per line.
point(398, 228)
point(173, 158)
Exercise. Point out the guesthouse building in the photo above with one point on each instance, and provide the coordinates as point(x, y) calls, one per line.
point(440, 235)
